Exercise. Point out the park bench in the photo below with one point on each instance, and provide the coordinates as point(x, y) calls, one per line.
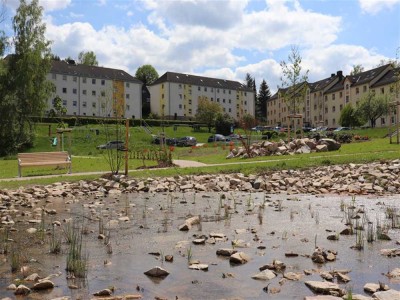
point(43, 159)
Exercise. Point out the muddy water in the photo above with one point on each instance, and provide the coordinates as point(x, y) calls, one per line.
point(286, 224)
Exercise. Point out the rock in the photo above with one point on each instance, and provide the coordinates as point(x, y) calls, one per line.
point(264, 275)
point(321, 148)
point(32, 277)
point(104, 292)
point(217, 235)
point(22, 290)
point(189, 223)
point(239, 258)
point(327, 276)
point(12, 287)
point(331, 144)
point(203, 267)
point(324, 287)
point(292, 276)
point(169, 258)
point(157, 272)
point(31, 230)
point(395, 273)
point(226, 251)
point(342, 277)
point(43, 285)
point(373, 287)
point(387, 295)
point(357, 297)
point(330, 256)
point(323, 297)
point(333, 237)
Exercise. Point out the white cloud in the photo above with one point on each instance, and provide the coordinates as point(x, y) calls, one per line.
point(76, 16)
point(374, 6)
point(48, 5)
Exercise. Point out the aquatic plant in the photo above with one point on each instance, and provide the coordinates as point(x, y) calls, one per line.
point(77, 260)
point(54, 242)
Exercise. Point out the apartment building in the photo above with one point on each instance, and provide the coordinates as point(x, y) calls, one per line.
point(95, 91)
point(176, 96)
point(326, 98)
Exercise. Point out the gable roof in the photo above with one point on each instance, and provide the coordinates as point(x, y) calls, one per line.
point(62, 67)
point(390, 77)
point(201, 81)
point(366, 76)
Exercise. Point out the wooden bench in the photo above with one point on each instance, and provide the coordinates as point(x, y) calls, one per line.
point(43, 159)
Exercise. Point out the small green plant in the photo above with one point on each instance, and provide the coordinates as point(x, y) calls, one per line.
point(317, 217)
point(315, 241)
point(370, 232)
point(349, 295)
point(101, 225)
point(15, 259)
point(77, 260)
point(189, 254)
point(260, 215)
point(342, 205)
point(54, 242)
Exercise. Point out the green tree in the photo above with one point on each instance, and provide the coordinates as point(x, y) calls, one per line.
point(262, 98)
point(28, 69)
point(147, 74)
point(207, 112)
point(372, 106)
point(251, 84)
point(349, 117)
point(293, 82)
point(87, 58)
point(357, 69)
point(223, 123)
point(58, 111)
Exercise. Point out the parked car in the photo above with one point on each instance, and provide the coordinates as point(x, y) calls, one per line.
point(187, 141)
point(169, 141)
point(112, 145)
point(235, 137)
point(217, 138)
point(342, 129)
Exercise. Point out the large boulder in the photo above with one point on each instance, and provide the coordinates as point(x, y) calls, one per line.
point(330, 143)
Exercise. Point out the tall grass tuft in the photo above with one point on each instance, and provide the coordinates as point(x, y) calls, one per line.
point(15, 260)
point(54, 242)
point(77, 260)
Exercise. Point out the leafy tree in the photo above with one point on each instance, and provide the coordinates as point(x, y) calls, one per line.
point(349, 117)
point(223, 123)
point(87, 58)
point(207, 112)
point(147, 74)
point(55, 57)
point(293, 82)
point(58, 111)
point(372, 106)
point(262, 98)
point(28, 69)
point(357, 69)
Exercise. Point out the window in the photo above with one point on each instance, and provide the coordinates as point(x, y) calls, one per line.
point(74, 79)
point(364, 88)
point(162, 96)
point(347, 86)
point(93, 93)
point(64, 90)
point(74, 103)
point(223, 100)
point(382, 121)
point(190, 111)
point(162, 86)
point(65, 77)
point(333, 96)
point(230, 110)
point(340, 94)
point(54, 76)
point(103, 82)
point(341, 107)
point(74, 91)
point(127, 84)
point(245, 102)
point(326, 110)
point(315, 106)
point(94, 104)
point(217, 90)
point(357, 91)
point(103, 93)
point(218, 100)
point(84, 104)
point(180, 106)
point(128, 107)
point(180, 96)
point(180, 86)
point(212, 89)
point(127, 96)
point(190, 91)
point(333, 108)
point(245, 93)
point(224, 109)
point(229, 92)
point(190, 101)
point(65, 102)
point(224, 91)
point(198, 88)
point(347, 99)
point(326, 98)
point(382, 90)
point(93, 81)
point(237, 106)
point(205, 89)
point(84, 92)
point(229, 101)
point(212, 99)
point(84, 79)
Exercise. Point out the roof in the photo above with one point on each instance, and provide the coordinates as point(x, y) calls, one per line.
point(321, 84)
point(366, 76)
point(202, 81)
point(62, 67)
point(390, 77)
point(339, 86)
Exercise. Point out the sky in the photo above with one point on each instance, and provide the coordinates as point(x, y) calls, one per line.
point(224, 38)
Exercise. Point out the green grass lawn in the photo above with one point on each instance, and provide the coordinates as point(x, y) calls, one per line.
point(86, 158)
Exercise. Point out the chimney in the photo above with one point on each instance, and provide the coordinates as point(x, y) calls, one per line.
point(339, 74)
point(332, 75)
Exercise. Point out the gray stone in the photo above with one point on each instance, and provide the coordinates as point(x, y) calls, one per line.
point(264, 275)
point(43, 285)
point(239, 258)
point(387, 295)
point(157, 272)
point(324, 287)
point(226, 251)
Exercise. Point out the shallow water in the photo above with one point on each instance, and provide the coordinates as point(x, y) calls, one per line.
point(302, 222)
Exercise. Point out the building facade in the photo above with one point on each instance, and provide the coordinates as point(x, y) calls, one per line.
point(325, 99)
point(176, 96)
point(95, 91)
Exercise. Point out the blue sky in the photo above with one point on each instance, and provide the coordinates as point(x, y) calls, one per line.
point(225, 38)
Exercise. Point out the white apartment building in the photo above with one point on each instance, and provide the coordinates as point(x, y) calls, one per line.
point(176, 96)
point(95, 91)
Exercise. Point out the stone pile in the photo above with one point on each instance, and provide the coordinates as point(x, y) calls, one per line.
point(375, 178)
point(297, 146)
